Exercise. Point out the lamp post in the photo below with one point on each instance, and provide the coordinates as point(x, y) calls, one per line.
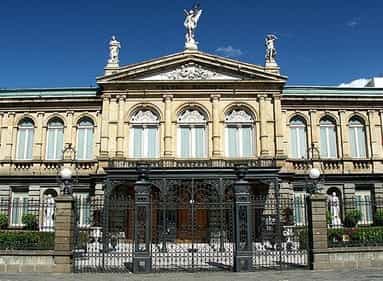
point(314, 174)
point(66, 176)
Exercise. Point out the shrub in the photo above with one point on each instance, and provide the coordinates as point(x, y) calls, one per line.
point(352, 217)
point(26, 240)
point(29, 221)
point(378, 219)
point(302, 238)
point(3, 221)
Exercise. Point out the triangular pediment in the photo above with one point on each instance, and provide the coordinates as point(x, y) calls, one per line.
point(190, 66)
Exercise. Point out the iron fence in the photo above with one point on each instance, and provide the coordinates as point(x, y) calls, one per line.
point(26, 223)
point(280, 234)
point(356, 221)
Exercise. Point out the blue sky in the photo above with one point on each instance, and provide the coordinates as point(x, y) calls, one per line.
point(51, 43)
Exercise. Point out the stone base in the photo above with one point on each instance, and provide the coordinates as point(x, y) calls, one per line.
point(142, 264)
point(191, 46)
point(243, 263)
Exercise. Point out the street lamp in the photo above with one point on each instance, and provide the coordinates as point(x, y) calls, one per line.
point(314, 174)
point(66, 176)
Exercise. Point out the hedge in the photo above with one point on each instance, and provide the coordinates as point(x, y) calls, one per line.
point(26, 240)
point(359, 236)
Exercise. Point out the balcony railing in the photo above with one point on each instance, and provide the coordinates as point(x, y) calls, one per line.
point(191, 163)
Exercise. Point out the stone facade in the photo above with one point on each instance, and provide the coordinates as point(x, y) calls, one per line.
point(171, 85)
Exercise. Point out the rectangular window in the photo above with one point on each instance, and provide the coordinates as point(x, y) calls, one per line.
point(25, 144)
point(84, 144)
point(298, 142)
point(357, 142)
point(19, 207)
point(185, 133)
point(192, 142)
point(145, 142)
point(83, 209)
point(55, 143)
point(299, 208)
point(363, 202)
point(232, 145)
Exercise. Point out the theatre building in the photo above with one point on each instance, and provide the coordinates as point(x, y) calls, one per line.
point(175, 134)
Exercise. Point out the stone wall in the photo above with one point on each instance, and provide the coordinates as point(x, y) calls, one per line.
point(27, 261)
point(349, 258)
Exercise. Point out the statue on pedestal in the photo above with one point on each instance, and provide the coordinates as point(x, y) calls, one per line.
point(190, 24)
point(271, 52)
point(114, 50)
point(48, 222)
point(335, 210)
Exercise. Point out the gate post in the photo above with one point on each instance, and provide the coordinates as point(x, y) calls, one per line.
point(242, 222)
point(317, 231)
point(142, 259)
point(64, 229)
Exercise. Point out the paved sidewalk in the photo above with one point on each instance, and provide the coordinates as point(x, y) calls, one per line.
point(371, 275)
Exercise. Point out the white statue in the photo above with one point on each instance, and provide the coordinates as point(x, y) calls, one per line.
point(48, 222)
point(114, 50)
point(271, 52)
point(190, 24)
point(335, 210)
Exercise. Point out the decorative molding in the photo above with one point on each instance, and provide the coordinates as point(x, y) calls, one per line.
point(191, 116)
point(239, 116)
point(190, 71)
point(146, 117)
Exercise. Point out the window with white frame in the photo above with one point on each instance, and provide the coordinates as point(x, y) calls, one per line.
point(298, 138)
point(144, 135)
point(192, 134)
point(299, 208)
point(328, 140)
point(239, 134)
point(357, 137)
point(25, 134)
point(19, 207)
point(364, 205)
point(85, 129)
point(55, 139)
point(83, 208)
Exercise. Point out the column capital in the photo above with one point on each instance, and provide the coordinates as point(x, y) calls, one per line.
point(215, 97)
point(167, 97)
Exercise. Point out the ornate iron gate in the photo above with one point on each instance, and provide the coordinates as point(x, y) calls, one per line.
point(192, 226)
point(280, 234)
point(189, 226)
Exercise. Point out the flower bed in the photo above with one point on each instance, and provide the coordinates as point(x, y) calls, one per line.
point(355, 236)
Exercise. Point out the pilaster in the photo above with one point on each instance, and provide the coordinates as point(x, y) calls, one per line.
point(9, 136)
point(168, 136)
point(38, 145)
point(104, 152)
point(217, 147)
point(120, 129)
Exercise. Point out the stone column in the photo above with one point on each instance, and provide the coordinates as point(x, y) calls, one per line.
point(64, 229)
point(120, 128)
point(242, 223)
point(69, 136)
point(104, 151)
point(39, 137)
point(142, 259)
point(317, 231)
point(280, 148)
point(168, 132)
point(217, 149)
point(9, 141)
point(266, 117)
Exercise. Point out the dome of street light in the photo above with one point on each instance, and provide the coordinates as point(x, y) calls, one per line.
point(314, 173)
point(66, 174)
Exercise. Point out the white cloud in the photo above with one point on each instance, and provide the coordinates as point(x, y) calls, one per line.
point(361, 82)
point(353, 22)
point(229, 51)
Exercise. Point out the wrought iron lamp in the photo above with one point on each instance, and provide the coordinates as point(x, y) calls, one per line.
point(66, 174)
point(314, 175)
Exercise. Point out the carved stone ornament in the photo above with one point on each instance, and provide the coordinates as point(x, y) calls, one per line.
point(190, 71)
point(144, 116)
point(191, 116)
point(239, 116)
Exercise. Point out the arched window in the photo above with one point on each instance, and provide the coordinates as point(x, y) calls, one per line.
point(25, 140)
point(239, 134)
point(192, 134)
point(85, 139)
point(357, 134)
point(55, 139)
point(298, 138)
point(144, 135)
point(328, 140)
